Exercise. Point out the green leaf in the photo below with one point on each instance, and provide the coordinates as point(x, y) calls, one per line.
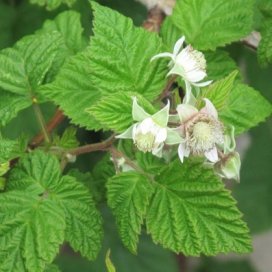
point(67, 140)
point(128, 196)
point(10, 149)
point(31, 231)
point(109, 264)
point(68, 25)
point(219, 91)
point(121, 55)
point(191, 212)
point(219, 64)
point(42, 209)
point(84, 231)
point(264, 51)
point(209, 24)
point(10, 105)
point(74, 84)
point(245, 109)
point(23, 69)
point(115, 111)
point(52, 4)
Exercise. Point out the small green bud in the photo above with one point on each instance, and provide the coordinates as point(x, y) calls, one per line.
point(4, 167)
point(229, 167)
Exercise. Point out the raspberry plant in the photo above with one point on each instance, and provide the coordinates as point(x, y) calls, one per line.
point(168, 137)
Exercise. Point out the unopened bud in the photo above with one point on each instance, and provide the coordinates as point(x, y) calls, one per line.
point(229, 167)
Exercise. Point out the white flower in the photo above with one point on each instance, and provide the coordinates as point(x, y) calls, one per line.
point(202, 131)
point(188, 63)
point(150, 133)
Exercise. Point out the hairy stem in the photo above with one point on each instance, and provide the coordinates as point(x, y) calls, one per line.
point(41, 120)
point(53, 123)
point(103, 146)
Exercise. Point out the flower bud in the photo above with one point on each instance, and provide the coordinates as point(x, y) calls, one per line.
point(4, 167)
point(229, 167)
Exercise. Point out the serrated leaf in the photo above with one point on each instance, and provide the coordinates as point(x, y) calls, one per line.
point(245, 109)
point(128, 197)
point(74, 84)
point(43, 209)
point(121, 55)
point(10, 105)
point(191, 212)
point(264, 51)
point(67, 140)
point(219, 64)
point(219, 92)
point(10, 149)
point(209, 24)
point(83, 231)
point(52, 4)
point(68, 25)
point(31, 231)
point(115, 111)
point(22, 70)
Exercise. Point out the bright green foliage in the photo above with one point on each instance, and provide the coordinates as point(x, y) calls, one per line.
point(40, 210)
point(23, 69)
point(219, 91)
point(245, 109)
point(52, 4)
point(109, 264)
point(67, 139)
point(73, 90)
point(219, 64)
point(191, 212)
point(128, 196)
point(10, 149)
point(265, 46)
point(209, 24)
point(115, 111)
point(68, 25)
point(121, 55)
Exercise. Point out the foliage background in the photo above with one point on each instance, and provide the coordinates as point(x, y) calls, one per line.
point(19, 18)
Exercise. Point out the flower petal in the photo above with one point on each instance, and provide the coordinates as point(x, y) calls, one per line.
point(161, 117)
point(209, 109)
point(183, 151)
point(163, 55)
point(212, 155)
point(161, 135)
point(186, 111)
point(126, 134)
point(138, 113)
point(178, 45)
point(176, 70)
point(146, 125)
point(173, 137)
point(189, 98)
point(203, 84)
point(158, 151)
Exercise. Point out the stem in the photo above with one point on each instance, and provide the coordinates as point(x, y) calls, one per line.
point(41, 121)
point(154, 19)
point(54, 122)
point(103, 146)
point(167, 88)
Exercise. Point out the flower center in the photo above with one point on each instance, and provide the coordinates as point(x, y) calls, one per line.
point(198, 57)
point(145, 142)
point(203, 133)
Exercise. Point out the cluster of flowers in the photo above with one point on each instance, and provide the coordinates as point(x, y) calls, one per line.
point(199, 132)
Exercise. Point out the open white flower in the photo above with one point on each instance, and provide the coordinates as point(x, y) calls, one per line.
point(202, 131)
point(188, 63)
point(150, 133)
